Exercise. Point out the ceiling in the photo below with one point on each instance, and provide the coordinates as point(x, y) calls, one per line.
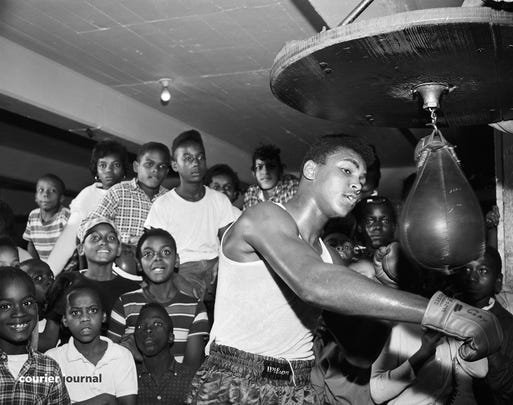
point(218, 54)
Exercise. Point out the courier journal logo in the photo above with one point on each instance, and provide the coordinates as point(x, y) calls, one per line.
point(66, 378)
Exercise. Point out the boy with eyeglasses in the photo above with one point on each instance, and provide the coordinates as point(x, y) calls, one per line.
point(195, 215)
point(272, 184)
point(128, 202)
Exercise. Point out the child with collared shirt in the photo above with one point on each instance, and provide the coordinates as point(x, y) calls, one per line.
point(8, 252)
point(156, 253)
point(18, 361)
point(127, 203)
point(96, 369)
point(161, 378)
point(45, 224)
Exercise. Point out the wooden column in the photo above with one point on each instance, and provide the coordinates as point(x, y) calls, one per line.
point(504, 178)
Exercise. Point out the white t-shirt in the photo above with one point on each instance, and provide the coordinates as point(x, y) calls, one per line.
point(87, 200)
point(194, 225)
point(15, 363)
point(114, 374)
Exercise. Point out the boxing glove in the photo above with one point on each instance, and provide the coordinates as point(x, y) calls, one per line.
point(385, 262)
point(479, 329)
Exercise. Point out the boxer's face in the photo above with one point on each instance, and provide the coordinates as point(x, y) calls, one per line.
point(338, 182)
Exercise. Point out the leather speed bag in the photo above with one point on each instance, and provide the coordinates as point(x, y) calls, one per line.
point(441, 226)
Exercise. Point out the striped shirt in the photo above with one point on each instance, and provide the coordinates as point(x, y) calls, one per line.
point(189, 317)
point(128, 206)
point(43, 235)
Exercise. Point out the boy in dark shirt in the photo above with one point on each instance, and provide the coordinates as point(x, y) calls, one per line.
point(479, 281)
point(161, 378)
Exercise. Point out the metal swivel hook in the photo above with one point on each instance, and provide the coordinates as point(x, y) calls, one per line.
point(433, 118)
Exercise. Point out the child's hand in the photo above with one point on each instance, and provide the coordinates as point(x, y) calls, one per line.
point(429, 341)
point(427, 349)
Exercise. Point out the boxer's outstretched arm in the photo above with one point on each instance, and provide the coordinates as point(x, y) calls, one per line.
point(272, 232)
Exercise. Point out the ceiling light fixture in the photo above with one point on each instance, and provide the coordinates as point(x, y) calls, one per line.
point(165, 94)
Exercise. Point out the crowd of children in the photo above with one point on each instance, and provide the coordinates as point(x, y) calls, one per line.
point(118, 290)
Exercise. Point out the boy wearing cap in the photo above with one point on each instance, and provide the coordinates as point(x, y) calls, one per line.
point(100, 244)
point(195, 215)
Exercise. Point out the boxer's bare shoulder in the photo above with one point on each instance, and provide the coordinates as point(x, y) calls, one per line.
point(258, 227)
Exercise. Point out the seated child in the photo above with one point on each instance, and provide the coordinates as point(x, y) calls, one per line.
point(28, 377)
point(161, 378)
point(156, 254)
point(95, 367)
point(479, 282)
point(43, 279)
point(45, 224)
point(8, 253)
point(100, 244)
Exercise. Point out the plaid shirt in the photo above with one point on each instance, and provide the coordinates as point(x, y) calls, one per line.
point(128, 206)
point(13, 391)
point(284, 191)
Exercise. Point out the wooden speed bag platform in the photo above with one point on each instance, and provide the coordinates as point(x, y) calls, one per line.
point(365, 72)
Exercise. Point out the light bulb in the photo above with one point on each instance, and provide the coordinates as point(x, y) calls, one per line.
point(165, 95)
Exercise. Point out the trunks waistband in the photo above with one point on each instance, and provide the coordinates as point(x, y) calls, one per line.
point(257, 367)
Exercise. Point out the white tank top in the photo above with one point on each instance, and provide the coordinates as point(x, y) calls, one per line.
point(255, 311)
